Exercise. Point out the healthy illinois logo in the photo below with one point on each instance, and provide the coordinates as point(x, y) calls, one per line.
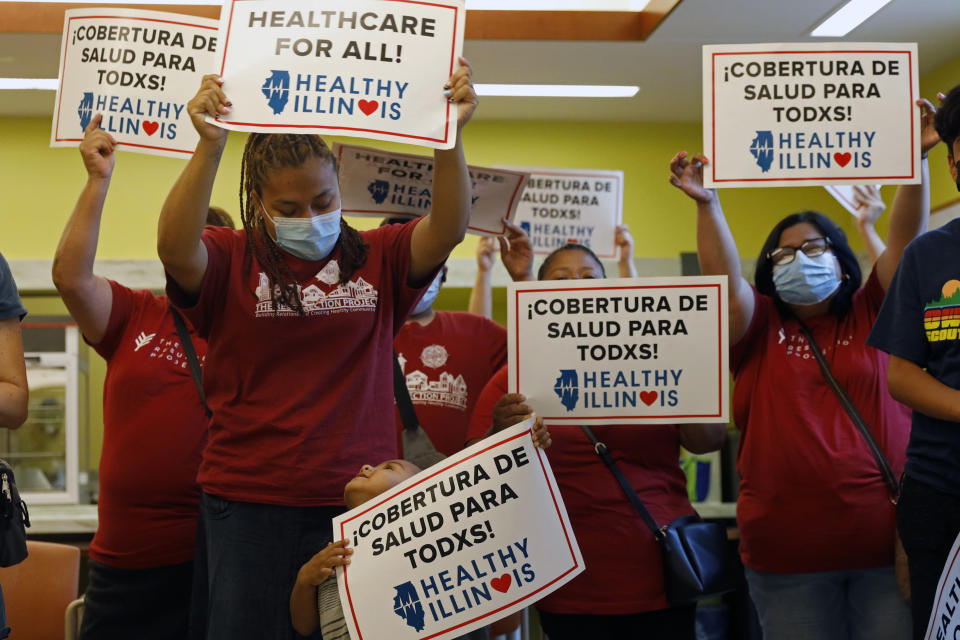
point(567, 388)
point(276, 89)
point(379, 190)
point(941, 318)
point(761, 147)
point(406, 604)
point(85, 110)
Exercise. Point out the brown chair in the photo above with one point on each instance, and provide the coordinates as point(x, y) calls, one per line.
point(38, 590)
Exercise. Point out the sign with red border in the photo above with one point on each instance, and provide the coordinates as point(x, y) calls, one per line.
point(382, 183)
point(473, 539)
point(139, 69)
point(944, 621)
point(365, 68)
point(626, 351)
point(810, 114)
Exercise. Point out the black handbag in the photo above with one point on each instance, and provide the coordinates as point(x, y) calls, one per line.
point(696, 555)
point(14, 517)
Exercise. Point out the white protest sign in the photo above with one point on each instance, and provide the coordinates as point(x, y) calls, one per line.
point(458, 546)
point(626, 351)
point(571, 205)
point(944, 624)
point(810, 114)
point(381, 183)
point(367, 68)
point(139, 69)
point(843, 193)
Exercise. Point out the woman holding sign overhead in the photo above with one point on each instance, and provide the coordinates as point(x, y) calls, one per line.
point(300, 311)
point(815, 516)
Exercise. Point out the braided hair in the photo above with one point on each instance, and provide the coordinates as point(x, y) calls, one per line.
point(262, 155)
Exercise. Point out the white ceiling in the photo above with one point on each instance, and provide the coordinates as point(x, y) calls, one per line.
point(666, 67)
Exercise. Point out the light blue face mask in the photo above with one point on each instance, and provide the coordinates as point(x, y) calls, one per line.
point(310, 238)
point(428, 296)
point(806, 280)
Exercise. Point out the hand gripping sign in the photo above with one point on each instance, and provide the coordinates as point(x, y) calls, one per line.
point(139, 69)
point(367, 68)
point(579, 206)
point(810, 114)
point(380, 183)
point(456, 547)
point(626, 351)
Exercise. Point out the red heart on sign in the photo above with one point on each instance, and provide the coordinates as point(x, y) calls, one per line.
point(150, 127)
point(648, 397)
point(368, 106)
point(502, 583)
point(842, 158)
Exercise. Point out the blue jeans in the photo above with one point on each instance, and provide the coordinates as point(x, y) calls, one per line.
point(254, 552)
point(834, 605)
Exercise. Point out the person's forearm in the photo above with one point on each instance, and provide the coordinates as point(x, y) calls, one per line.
point(872, 240)
point(450, 207)
point(716, 247)
point(626, 267)
point(13, 405)
point(911, 385)
point(481, 298)
point(73, 261)
point(909, 213)
point(303, 608)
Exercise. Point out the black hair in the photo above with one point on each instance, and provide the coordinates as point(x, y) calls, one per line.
point(947, 120)
point(569, 247)
point(850, 268)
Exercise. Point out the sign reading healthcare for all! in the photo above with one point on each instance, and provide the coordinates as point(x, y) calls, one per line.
point(139, 69)
point(627, 351)
point(367, 68)
point(810, 114)
point(458, 546)
point(380, 183)
point(561, 206)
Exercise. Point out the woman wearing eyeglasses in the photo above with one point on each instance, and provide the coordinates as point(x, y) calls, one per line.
point(816, 523)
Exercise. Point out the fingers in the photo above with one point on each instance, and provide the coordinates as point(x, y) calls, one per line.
point(94, 124)
point(541, 435)
point(926, 107)
point(210, 99)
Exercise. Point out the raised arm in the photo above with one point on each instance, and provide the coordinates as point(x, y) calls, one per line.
point(184, 213)
point(13, 375)
point(516, 253)
point(481, 297)
point(88, 297)
point(870, 207)
point(715, 245)
point(911, 205)
point(445, 226)
point(626, 267)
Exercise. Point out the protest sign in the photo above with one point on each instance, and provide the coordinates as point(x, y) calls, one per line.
point(810, 114)
point(381, 183)
point(571, 205)
point(944, 624)
point(367, 68)
point(139, 69)
point(474, 538)
point(626, 351)
point(843, 193)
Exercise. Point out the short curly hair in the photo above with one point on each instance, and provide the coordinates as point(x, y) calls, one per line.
point(947, 119)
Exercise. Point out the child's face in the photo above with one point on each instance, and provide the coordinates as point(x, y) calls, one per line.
point(372, 481)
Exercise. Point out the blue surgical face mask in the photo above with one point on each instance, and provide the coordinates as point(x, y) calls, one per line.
point(428, 296)
point(310, 238)
point(806, 280)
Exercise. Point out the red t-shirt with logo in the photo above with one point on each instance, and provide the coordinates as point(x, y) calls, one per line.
point(299, 403)
point(446, 364)
point(623, 567)
point(811, 496)
point(154, 428)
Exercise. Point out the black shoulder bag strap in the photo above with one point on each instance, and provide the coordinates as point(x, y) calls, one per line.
point(408, 415)
point(608, 460)
point(889, 477)
point(192, 360)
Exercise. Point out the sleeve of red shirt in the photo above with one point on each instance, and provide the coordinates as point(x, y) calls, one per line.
point(397, 254)
point(220, 242)
point(756, 330)
point(873, 291)
point(482, 418)
point(123, 302)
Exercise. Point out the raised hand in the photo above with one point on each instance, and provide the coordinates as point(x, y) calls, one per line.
point(209, 101)
point(516, 252)
point(686, 174)
point(459, 90)
point(928, 132)
point(97, 150)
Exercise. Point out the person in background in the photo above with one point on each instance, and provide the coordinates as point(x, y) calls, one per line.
point(626, 267)
point(917, 327)
point(815, 518)
point(871, 205)
point(621, 592)
point(481, 298)
point(154, 427)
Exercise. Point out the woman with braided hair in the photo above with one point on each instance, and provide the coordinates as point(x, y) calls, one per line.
point(300, 311)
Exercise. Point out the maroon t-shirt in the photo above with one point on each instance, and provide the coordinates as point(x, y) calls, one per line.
point(446, 364)
point(154, 428)
point(624, 569)
point(811, 495)
point(299, 402)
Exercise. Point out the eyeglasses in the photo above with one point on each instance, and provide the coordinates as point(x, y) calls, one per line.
point(811, 248)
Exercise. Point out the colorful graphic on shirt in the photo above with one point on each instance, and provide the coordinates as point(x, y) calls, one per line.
point(941, 318)
point(356, 295)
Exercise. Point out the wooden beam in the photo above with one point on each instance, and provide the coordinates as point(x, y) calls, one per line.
point(619, 26)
